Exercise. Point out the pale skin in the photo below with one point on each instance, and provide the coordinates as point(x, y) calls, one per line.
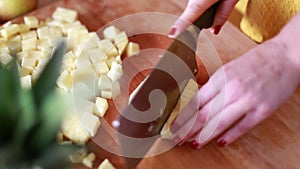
point(244, 92)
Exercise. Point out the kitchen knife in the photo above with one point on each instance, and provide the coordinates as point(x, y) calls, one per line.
point(140, 122)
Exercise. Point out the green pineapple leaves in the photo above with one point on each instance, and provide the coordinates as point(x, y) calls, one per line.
point(30, 119)
point(47, 81)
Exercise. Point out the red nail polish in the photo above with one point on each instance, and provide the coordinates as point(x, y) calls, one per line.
point(222, 143)
point(173, 32)
point(194, 144)
point(217, 29)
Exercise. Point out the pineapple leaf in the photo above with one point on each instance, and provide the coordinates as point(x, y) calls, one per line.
point(51, 115)
point(9, 108)
point(26, 118)
point(47, 80)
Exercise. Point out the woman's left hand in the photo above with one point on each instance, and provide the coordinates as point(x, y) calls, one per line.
point(238, 96)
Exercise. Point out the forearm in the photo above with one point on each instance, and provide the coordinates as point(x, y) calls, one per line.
point(290, 38)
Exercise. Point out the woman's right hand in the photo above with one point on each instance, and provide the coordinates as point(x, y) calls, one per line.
point(196, 8)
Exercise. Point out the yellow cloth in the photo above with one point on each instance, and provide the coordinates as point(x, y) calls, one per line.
point(263, 19)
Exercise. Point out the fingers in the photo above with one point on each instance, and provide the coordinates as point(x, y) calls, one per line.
point(222, 14)
point(220, 122)
point(193, 10)
point(204, 95)
point(251, 119)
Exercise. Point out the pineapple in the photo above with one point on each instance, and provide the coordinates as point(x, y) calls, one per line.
point(30, 118)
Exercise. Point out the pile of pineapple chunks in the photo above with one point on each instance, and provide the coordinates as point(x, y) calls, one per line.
point(87, 56)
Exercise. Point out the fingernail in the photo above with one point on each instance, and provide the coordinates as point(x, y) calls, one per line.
point(173, 32)
point(174, 128)
point(217, 29)
point(222, 143)
point(194, 144)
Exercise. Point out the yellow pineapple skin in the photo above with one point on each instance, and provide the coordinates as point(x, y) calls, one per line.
point(265, 18)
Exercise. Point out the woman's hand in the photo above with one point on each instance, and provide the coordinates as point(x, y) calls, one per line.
point(197, 7)
point(238, 96)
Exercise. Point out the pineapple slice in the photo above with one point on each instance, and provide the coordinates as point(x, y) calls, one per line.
point(63, 14)
point(189, 91)
point(110, 32)
point(132, 49)
point(101, 107)
point(106, 165)
point(31, 21)
point(121, 42)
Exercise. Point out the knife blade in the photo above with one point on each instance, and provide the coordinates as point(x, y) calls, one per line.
point(140, 122)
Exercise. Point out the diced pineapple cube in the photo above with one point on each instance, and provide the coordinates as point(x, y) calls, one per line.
point(36, 54)
point(115, 72)
point(106, 94)
point(31, 21)
point(132, 49)
point(60, 137)
point(81, 91)
point(96, 55)
point(28, 35)
point(110, 32)
point(108, 47)
point(55, 34)
point(104, 83)
point(115, 89)
point(64, 14)
point(71, 128)
point(89, 160)
point(6, 24)
point(65, 81)
point(78, 156)
point(121, 42)
point(90, 123)
point(23, 28)
point(101, 106)
point(84, 106)
point(24, 71)
point(102, 68)
point(28, 63)
point(109, 61)
point(106, 165)
point(14, 44)
point(43, 33)
point(92, 42)
point(114, 75)
point(26, 82)
point(4, 48)
point(118, 59)
point(5, 58)
point(29, 44)
point(21, 55)
point(42, 44)
point(9, 31)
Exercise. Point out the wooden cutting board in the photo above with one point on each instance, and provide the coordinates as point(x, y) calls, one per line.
point(273, 144)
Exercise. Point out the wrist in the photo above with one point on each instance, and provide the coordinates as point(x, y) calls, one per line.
point(290, 51)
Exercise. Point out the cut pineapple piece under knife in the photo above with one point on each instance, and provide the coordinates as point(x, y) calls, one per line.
point(189, 91)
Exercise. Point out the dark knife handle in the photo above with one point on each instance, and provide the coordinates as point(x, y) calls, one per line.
point(207, 18)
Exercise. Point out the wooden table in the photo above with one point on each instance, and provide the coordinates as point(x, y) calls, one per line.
point(273, 144)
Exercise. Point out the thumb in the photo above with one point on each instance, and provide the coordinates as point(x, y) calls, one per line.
point(222, 14)
point(194, 9)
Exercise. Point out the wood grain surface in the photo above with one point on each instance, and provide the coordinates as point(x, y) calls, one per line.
point(273, 144)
